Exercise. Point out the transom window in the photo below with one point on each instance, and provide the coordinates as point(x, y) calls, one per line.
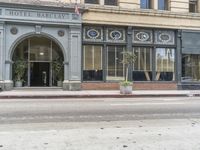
point(193, 6)
point(163, 4)
point(110, 2)
point(92, 1)
point(145, 4)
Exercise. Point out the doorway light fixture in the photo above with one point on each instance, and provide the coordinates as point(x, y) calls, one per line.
point(41, 53)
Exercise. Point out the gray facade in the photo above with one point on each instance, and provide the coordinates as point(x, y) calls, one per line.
point(19, 22)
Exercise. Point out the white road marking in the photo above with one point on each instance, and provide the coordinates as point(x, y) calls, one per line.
point(140, 104)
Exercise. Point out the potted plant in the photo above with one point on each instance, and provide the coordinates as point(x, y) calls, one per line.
point(19, 71)
point(58, 69)
point(129, 59)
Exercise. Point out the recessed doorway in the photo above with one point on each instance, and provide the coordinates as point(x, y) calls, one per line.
point(39, 74)
point(40, 54)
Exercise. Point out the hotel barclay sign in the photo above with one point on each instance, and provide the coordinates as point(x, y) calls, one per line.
point(38, 15)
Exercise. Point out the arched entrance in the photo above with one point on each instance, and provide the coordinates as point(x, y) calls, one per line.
point(42, 59)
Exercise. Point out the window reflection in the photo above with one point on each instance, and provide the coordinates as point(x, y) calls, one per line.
point(40, 49)
point(145, 4)
point(193, 6)
point(163, 4)
point(165, 61)
point(115, 69)
point(92, 68)
point(191, 68)
point(142, 68)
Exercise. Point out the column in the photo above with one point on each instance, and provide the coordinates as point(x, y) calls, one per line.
point(155, 4)
point(101, 2)
point(8, 83)
point(179, 59)
point(74, 59)
point(1, 56)
point(130, 48)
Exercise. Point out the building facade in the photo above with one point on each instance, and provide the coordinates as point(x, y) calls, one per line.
point(163, 34)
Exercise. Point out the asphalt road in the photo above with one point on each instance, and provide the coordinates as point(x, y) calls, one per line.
point(96, 110)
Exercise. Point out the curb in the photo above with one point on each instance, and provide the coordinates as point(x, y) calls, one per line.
point(92, 96)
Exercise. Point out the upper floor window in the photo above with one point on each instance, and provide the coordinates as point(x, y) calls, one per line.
point(163, 4)
point(92, 1)
point(145, 4)
point(110, 2)
point(193, 6)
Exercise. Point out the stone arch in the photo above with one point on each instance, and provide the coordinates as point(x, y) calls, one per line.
point(29, 35)
point(22, 38)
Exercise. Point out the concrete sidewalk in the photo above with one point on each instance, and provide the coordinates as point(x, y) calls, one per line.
point(57, 93)
point(172, 134)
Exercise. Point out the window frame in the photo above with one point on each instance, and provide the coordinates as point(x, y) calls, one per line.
point(154, 45)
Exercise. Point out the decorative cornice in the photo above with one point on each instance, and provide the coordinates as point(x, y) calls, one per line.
point(41, 5)
point(143, 12)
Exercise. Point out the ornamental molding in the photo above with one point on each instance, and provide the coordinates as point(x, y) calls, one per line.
point(115, 35)
point(93, 34)
point(143, 36)
point(164, 37)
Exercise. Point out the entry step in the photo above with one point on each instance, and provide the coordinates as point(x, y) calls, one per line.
point(38, 88)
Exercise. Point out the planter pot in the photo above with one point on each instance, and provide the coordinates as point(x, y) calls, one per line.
point(126, 89)
point(59, 83)
point(18, 84)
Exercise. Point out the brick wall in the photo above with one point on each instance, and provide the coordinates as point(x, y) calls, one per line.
point(136, 86)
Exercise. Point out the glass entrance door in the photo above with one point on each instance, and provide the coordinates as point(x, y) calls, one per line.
point(39, 74)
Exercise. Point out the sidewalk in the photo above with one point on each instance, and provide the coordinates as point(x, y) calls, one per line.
point(175, 134)
point(42, 93)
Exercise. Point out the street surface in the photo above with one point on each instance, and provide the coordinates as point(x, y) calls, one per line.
point(100, 124)
point(95, 110)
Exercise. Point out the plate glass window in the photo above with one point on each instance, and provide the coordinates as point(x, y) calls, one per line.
point(191, 68)
point(92, 63)
point(165, 62)
point(115, 69)
point(142, 68)
point(92, 1)
point(145, 4)
point(110, 2)
point(193, 6)
point(163, 4)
